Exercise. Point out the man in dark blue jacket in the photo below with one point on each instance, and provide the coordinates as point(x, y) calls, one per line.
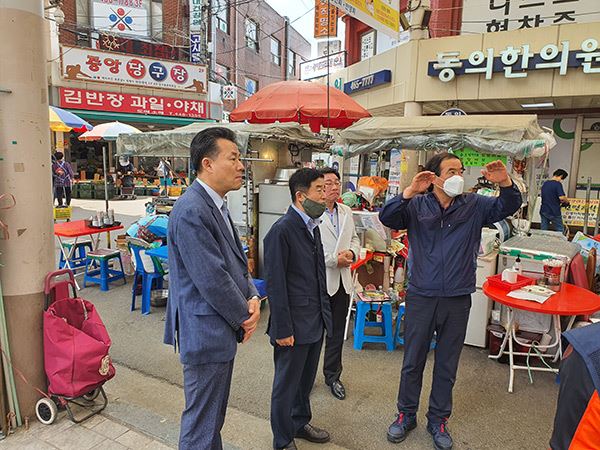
point(444, 231)
point(300, 309)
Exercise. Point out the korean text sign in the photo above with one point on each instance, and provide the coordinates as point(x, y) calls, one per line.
point(382, 15)
point(488, 16)
point(131, 103)
point(325, 19)
point(518, 61)
point(89, 65)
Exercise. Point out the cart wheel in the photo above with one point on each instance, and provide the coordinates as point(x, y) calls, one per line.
point(46, 411)
point(91, 396)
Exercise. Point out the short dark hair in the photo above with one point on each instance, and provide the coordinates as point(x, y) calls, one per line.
point(561, 173)
point(59, 156)
point(326, 170)
point(435, 163)
point(301, 180)
point(204, 145)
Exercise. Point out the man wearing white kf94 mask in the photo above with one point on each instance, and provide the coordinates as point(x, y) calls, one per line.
point(444, 231)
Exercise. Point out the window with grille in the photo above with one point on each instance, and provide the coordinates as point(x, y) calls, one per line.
point(275, 51)
point(252, 34)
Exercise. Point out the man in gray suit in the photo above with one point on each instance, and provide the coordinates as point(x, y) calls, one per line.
point(213, 303)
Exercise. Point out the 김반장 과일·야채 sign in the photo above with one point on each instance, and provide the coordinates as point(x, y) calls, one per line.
point(368, 81)
point(515, 62)
point(117, 102)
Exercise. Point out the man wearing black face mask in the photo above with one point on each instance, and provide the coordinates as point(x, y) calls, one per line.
point(299, 306)
point(444, 231)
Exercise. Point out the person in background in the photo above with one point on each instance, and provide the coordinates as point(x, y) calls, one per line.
point(444, 230)
point(341, 246)
point(164, 172)
point(553, 196)
point(213, 303)
point(300, 311)
point(577, 420)
point(62, 178)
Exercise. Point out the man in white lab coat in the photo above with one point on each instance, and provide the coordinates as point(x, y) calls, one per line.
point(341, 246)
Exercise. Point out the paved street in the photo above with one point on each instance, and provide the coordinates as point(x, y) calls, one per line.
point(146, 393)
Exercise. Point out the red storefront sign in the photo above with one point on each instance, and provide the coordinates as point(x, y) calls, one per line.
point(131, 103)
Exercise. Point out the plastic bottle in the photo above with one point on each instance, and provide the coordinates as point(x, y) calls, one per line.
point(517, 266)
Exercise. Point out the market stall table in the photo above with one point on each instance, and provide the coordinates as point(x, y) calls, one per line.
point(570, 301)
point(78, 229)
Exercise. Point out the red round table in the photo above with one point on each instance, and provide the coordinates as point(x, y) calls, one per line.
point(570, 301)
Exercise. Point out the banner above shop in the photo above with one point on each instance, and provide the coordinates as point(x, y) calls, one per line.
point(317, 68)
point(380, 15)
point(131, 103)
point(515, 62)
point(368, 81)
point(89, 65)
point(479, 16)
point(114, 43)
point(121, 16)
point(196, 15)
point(325, 19)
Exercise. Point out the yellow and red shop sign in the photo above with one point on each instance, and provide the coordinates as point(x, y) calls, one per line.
point(326, 18)
point(131, 103)
point(574, 214)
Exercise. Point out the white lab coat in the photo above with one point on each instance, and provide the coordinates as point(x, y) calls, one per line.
point(332, 245)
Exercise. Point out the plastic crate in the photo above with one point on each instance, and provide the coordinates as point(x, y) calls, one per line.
point(174, 191)
point(63, 213)
point(522, 281)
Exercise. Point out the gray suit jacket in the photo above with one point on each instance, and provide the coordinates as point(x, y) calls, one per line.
point(209, 283)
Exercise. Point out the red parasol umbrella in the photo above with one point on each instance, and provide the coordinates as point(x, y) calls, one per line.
point(302, 102)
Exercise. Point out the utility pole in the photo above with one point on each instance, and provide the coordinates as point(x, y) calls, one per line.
point(25, 171)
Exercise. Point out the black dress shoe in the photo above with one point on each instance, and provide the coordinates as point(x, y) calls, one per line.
point(290, 446)
point(338, 390)
point(313, 434)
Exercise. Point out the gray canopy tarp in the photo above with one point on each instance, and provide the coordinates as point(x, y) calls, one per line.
point(176, 143)
point(510, 135)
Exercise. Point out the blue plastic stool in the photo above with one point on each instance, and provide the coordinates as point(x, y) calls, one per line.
point(261, 287)
point(97, 269)
point(361, 322)
point(399, 336)
point(148, 278)
point(79, 258)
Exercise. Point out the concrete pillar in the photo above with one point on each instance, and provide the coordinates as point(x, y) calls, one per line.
point(410, 158)
point(25, 172)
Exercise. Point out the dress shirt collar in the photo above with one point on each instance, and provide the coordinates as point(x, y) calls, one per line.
point(216, 198)
point(311, 224)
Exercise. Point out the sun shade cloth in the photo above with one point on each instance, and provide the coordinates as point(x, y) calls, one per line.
point(511, 135)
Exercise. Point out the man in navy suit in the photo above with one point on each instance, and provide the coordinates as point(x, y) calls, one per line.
point(213, 303)
point(300, 310)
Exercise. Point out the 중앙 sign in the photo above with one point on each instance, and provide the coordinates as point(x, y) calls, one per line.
point(89, 65)
point(516, 61)
point(131, 103)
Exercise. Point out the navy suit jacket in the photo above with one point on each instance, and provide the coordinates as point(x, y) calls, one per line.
point(209, 283)
point(296, 281)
